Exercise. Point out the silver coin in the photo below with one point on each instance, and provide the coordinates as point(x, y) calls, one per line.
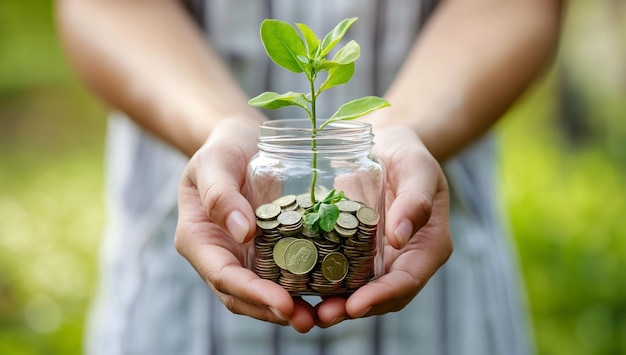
point(348, 206)
point(347, 221)
point(285, 201)
point(267, 224)
point(304, 200)
point(268, 211)
point(290, 218)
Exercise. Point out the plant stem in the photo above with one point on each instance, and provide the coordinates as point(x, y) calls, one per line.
point(313, 118)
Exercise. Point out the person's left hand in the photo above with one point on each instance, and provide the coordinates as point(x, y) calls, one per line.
point(215, 221)
point(418, 238)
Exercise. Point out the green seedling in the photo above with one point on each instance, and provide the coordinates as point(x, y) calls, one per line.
point(305, 53)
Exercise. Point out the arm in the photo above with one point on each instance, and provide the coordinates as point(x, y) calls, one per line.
point(471, 63)
point(148, 59)
point(473, 60)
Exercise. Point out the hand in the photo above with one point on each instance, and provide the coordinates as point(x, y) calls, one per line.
point(418, 238)
point(215, 221)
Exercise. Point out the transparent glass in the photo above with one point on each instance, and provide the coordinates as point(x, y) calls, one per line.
point(304, 259)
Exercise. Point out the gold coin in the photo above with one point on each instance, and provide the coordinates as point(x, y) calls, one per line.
point(367, 216)
point(335, 267)
point(300, 256)
point(278, 252)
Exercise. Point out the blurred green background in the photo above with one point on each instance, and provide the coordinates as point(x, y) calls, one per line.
point(563, 173)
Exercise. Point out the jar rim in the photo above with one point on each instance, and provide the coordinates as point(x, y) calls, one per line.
point(304, 124)
point(296, 135)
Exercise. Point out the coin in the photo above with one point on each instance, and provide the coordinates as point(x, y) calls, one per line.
point(348, 206)
point(279, 251)
point(292, 282)
point(300, 256)
point(304, 200)
point(268, 211)
point(367, 216)
point(285, 201)
point(267, 224)
point(290, 218)
point(332, 237)
point(304, 261)
point(347, 221)
point(335, 267)
point(345, 233)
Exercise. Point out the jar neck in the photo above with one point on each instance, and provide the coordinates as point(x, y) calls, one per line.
point(296, 136)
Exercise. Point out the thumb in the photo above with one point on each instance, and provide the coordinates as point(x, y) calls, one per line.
point(416, 189)
point(219, 173)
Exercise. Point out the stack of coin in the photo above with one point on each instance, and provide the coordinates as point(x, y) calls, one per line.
point(287, 203)
point(304, 201)
point(264, 243)
point(297, 284)
point(299, 259)
point(361, 251)
point(328, 276)
point(308, 262)
point(290, 223)
point(319, 283)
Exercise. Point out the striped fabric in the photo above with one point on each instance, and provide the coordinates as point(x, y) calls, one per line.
point(150, 301)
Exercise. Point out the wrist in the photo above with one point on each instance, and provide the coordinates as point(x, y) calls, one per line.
point(203, 124)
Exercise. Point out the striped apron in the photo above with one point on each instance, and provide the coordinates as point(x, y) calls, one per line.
point(150, 301)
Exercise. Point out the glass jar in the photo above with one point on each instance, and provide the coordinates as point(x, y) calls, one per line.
point(297, 244)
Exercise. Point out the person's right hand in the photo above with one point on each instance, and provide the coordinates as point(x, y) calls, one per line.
point(215, 220)
point(418, 240)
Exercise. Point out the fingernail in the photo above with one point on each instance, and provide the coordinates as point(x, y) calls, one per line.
point(237, 225)
point(365, 311)
point(336, 321)
point(278, 314)
point(403, 232)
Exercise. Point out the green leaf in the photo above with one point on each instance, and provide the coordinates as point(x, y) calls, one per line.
point(329, 213)
point(283, 44)
point(312, 42)
point(357, 108)
point(329, 196)
point(272, 101)
point(311, 218)
point(334, 36)
point(338, 76)
point(340, 195)
point(348, 53)
point(325, 64)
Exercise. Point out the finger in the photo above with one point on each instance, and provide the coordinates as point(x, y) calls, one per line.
point(331, 311)
point(408, 274)
point(387, 294)
point(242, 307)
point(303, 317)
point(218, 260)
point(224, 272)
point(218, 170)
point(414, 181)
